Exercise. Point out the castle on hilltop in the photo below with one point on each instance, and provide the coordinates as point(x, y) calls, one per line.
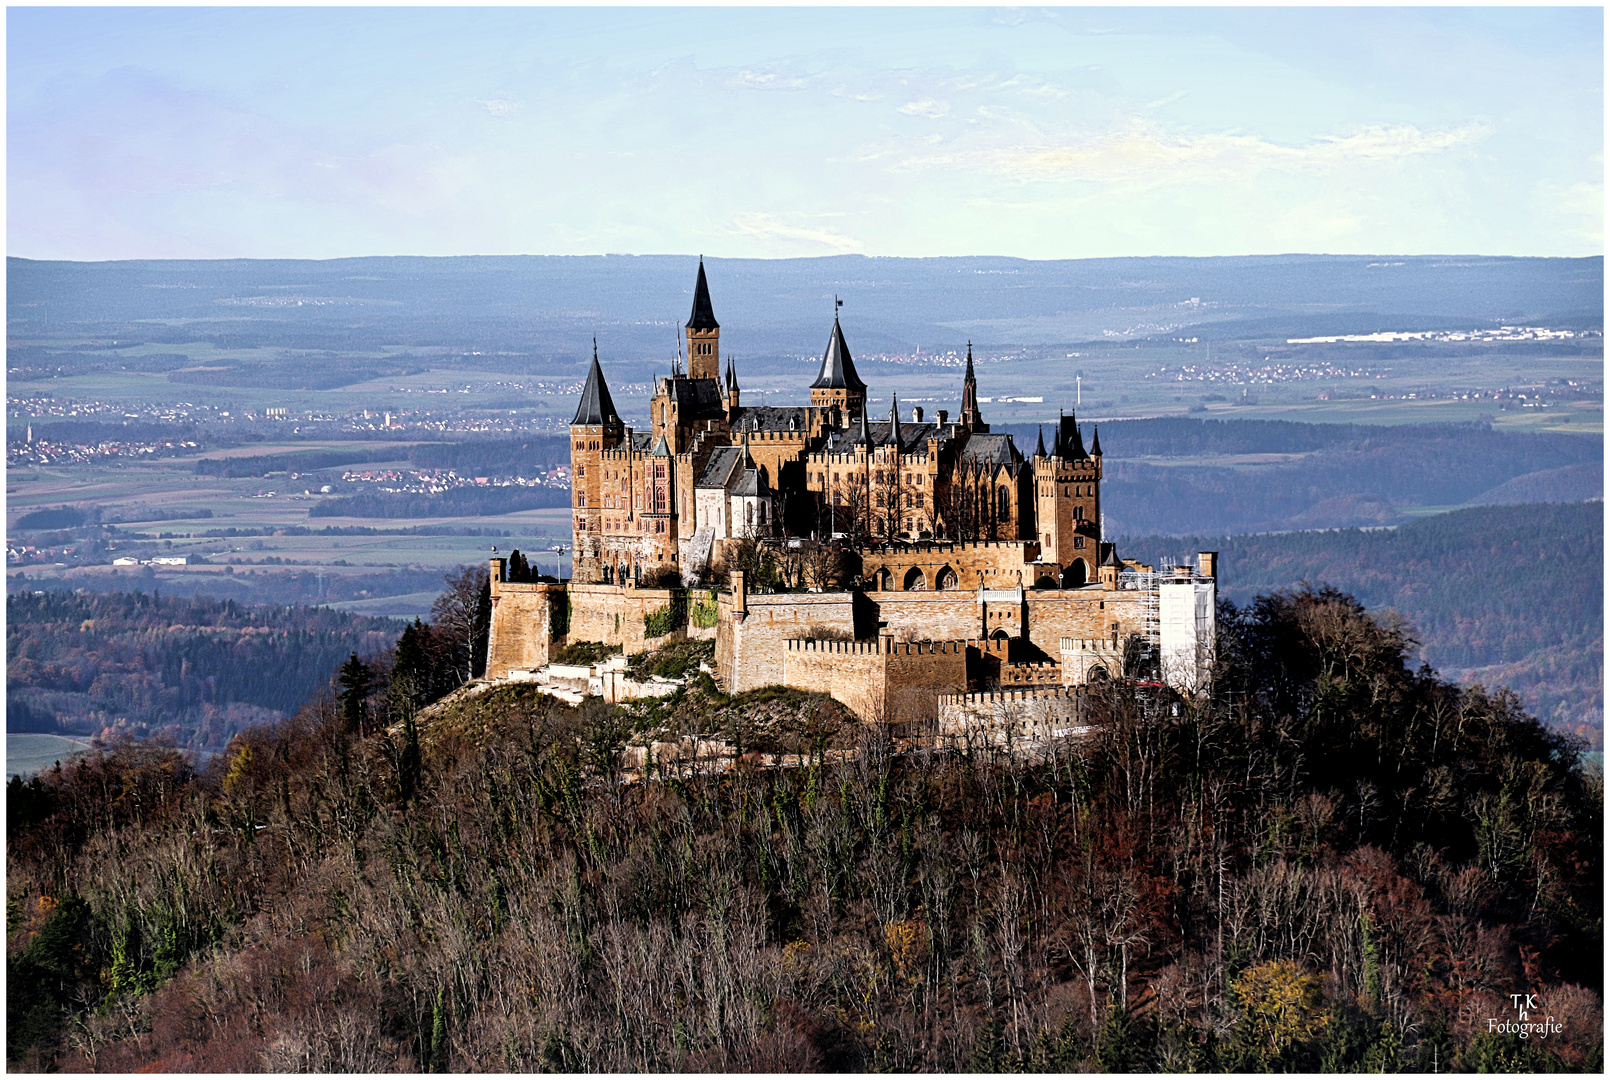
point(892, 562)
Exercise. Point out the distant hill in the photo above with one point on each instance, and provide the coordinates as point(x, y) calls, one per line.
point(196, 671)
point(517, 309)
point(1509, 596)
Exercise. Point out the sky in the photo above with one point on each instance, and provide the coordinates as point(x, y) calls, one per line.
point(782, 132)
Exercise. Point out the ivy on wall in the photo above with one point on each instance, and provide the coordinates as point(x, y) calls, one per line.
point(703, 611)
point(662, 621)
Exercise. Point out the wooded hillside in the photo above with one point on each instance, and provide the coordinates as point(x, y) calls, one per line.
point(1507, 595)
point(1334, 863)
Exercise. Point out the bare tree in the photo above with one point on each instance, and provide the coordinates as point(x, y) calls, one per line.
point(464, 614)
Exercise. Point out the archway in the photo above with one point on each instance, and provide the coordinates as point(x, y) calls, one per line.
point(1075, 575)
point(915, 582)
point(1045, 581)
point(1097, 673)
point(885, 579)
point(1000, 635)
point(947, 578)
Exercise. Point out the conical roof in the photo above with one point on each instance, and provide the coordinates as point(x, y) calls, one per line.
point(893, 438)
point(1039, 442)
point(596, 407)
point(838, 370)
point(1112, 558)
point(1076, 445)
point(1095, 443)
point(866, 431)
point(704, 316)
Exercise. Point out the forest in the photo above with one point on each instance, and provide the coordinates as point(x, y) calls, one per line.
point(191, 670)
point(1332, 861)
point(1492, 593)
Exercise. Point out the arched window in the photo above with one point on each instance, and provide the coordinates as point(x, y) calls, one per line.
point(947, 578)
point(915, 582)
point(1004, 501)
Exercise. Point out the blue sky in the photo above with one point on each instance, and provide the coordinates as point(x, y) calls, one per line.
point(770, 132)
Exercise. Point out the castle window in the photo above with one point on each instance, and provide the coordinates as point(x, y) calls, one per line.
point(1004, 503)
point(581, 470)
point(1078, 541)
point(919, 500)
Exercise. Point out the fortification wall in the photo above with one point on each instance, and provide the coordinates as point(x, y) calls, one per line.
point(994, 564)
point(881, 680)
point(1010, 717)
point(614, 614)
point(521, 634)
point(1054, 614)
point(753, 631)
point(936, 616)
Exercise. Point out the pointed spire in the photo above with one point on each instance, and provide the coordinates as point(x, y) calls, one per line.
point(866, 432)
point(1076, 443)
point(704, 315)
point(838, 370)
point(732, 375)
point(596, 407)
point(969, 415)
point(893, 438)
point(1095, 445)
point(1039, 442)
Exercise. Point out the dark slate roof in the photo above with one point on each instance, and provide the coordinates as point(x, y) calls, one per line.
point(696, 399)
point(660, 448)
point(1039, 442)
point(1095, 445)
point(595, 406)
point(724, 462)
point(838, 370)
point(704, 316)
point(751, 482)
point(642, 440)
point(1070, 443)
point(770, 418)
point(1112, 558)
point(991, 451)
point(913, 437)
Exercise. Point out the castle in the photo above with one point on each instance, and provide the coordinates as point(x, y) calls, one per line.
point(892, 563)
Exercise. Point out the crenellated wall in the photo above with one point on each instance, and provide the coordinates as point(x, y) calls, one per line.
point(887, 680)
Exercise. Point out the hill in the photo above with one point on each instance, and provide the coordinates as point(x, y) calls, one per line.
point(1508, 596)
point(195, 671)
point(1336, 864)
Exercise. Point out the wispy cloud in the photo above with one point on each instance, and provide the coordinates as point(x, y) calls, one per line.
point(1144, 151)
point(761, 226)
point(926, 107)
point(500, 106)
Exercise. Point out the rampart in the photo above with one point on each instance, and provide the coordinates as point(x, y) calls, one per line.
point(1010, 717)
point(885, 680)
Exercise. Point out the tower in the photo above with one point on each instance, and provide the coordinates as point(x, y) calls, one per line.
point(595, 428)
point(1067, 496)
point(704, 333)
point(837, 386)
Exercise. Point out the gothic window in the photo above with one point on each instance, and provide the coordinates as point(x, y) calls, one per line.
point(581, 498)
point(1004, 503)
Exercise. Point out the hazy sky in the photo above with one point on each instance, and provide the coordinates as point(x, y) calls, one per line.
point(280, 132)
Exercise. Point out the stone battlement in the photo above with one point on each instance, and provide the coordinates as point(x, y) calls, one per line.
point(989, 698)
point(885, 646)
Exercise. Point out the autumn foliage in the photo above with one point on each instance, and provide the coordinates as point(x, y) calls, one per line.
point(1331, 862)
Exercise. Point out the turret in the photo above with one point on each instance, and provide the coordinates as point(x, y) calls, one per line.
point(837, 385)
point(730, 391)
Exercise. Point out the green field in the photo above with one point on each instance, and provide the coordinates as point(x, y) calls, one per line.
point(27, 754)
